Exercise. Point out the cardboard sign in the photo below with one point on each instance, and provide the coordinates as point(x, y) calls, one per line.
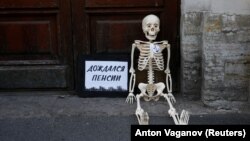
point(103, 76)
point(106, 75)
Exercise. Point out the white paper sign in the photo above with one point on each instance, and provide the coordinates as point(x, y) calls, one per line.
point(106, 75)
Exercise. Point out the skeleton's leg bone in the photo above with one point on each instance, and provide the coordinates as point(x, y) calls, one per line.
point(142, 116)
point(178, 120)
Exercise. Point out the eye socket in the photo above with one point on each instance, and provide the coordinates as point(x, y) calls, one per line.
point(148, 25)
point(156, 25)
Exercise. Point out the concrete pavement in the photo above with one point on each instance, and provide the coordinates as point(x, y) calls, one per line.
point(68, 117)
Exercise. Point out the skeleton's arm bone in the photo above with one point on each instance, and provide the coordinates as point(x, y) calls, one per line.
point(167, 71)
point(132, 71)
point(168, 59)
point(132, 83)
point(168, 76)
point(131, 96)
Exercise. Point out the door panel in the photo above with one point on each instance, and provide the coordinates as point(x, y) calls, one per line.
point(122, 3)
point(28, 36)
point(29, 3)
point(36, 46)
point(111, 26)
point(114, 34)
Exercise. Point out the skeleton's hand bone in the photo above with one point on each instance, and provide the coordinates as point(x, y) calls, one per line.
point(130, 98)
point(171, 98)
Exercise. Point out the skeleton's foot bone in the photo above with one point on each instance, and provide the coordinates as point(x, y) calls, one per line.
point(142, 117)
point(184, 118)
point(179, 120)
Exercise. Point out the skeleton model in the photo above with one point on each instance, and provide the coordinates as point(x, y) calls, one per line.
point(151, 59)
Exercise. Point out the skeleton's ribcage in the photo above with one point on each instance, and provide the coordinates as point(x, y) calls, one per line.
point(157, 61)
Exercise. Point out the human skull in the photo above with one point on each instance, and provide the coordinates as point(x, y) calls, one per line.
point(151, 26)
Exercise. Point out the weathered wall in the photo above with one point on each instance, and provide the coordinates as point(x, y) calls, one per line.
point(215, 50)
point(191, 54)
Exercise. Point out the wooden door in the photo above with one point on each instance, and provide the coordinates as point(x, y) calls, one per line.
point(40, 40)
point(35, 45)
point(111, 26)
